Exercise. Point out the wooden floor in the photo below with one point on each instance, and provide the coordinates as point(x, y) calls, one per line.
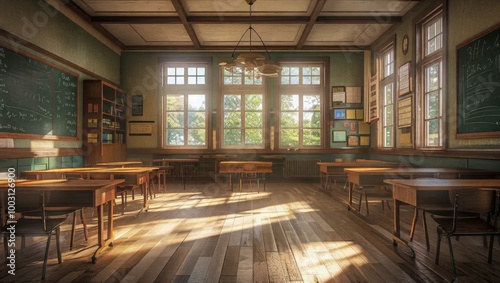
point(291, 233)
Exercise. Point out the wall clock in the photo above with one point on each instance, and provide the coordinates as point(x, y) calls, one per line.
point(404, 44)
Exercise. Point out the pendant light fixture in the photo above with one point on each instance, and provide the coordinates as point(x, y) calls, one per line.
point(252, 60)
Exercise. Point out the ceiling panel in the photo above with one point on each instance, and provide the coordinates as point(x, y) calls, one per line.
point(131, 8)
point(219, 24)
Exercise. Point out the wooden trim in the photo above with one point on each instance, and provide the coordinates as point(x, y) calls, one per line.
point(38, 152)
point(491, 154)
point(159, 151)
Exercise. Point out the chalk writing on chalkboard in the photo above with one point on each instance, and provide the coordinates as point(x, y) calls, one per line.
point(36, 98)
point(478, 85)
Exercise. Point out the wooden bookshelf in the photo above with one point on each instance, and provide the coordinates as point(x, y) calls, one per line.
point(104, 122)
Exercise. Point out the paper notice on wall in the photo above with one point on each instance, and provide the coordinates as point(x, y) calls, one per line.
point(6, 143)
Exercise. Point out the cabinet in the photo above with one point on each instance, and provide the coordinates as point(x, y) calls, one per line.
point(104, 122)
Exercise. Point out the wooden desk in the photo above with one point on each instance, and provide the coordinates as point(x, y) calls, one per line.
point(376, 176)
point(240, 167)
point(74, 193)
point(120, 164)
point(133, 176)
point(417, 192)
point(337, 168)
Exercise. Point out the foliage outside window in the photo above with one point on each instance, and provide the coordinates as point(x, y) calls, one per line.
point(301, 92)
point(184, 103)
point(387, 83)
point(242, 109)
point(431, 81)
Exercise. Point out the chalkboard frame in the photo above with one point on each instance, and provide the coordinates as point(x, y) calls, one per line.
point(462, 133)
point(31, 136)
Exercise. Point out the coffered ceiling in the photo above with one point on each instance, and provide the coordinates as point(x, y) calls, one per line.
point(219, 24)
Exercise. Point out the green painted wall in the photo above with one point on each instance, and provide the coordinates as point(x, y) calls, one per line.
point(140, 76)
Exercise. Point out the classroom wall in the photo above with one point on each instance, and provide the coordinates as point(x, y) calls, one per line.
point(466, 19)
point(65, 44)
point(140, 76)
point(479, 15)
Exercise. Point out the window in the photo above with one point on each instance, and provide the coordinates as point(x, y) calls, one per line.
point(184, 105)
point(301, 90)
point(430, 81)
point(387, 86)
point(242, 108)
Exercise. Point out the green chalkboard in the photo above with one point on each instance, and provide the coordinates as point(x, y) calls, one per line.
point(478, 86)
point(37, 100)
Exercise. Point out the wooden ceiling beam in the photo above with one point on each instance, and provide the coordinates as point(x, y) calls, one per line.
point(307, 30)
point(245, 20)
point(189, 28)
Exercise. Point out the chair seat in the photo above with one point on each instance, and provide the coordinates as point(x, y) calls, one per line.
point(467, 225)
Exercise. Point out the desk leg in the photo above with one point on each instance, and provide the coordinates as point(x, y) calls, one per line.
point(146, 194)
point(101, 243)
point(396, 237)
point(349, 203)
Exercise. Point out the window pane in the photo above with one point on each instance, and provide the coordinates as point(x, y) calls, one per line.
point(290, 119)
point(232, 120)
point(201, 80)
point(253, 119)
point(232, 136)
point(388, 115)
point(294, 80)
point(432, 105)
point(388, 94)
point(316, 80)
point(196, 102)
point(432, 133)
point(196, 137)
point(294, 71)
point(311, 102)
point(316, 71)
point(312, 137)
point(179, 80)
point(175, 120)
point(191, 71)
point(232, 102)
point(306, 80)
point(175, 102)
point(432, 77)
point(253, 137)
point(175, 137)
point(388, 137)
point(289, 137)
point(196, 119)
point(171, 80)
point(253, 102)
point(192, 80)
point(290, 102)
point(285, 80)
point(311, 120)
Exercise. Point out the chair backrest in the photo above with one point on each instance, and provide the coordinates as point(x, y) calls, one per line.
point(480, 201)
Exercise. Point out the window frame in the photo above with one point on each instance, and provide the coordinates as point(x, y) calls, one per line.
point(384, 80)
point(242, 90)
point(185, 90)
point(423, 61)
point(302, 90)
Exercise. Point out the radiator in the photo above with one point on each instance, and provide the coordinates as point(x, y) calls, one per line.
point(301, 168)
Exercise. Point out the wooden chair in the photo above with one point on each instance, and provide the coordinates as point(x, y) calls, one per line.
point(63, 212)
point(484, 202)
point(163, 173)
point(32, 227)
point(249, 174)
point(439, 206)
point(188, 171)
point(377, 193)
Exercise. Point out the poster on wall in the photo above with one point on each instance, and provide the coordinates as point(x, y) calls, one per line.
point(137, 105)
point(373, 102)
